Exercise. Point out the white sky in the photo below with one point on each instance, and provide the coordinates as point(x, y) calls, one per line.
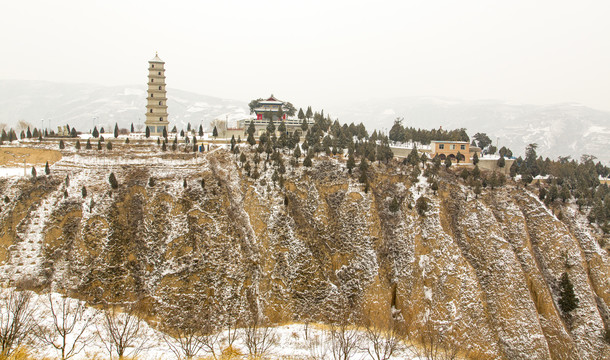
point(320, 52)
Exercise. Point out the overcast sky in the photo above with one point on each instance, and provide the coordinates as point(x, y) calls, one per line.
point(320, 52)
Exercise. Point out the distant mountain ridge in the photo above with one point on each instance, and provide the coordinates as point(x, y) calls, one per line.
point(559, 130)
point(79, 104)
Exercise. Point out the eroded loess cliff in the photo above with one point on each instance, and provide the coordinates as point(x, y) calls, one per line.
point(481, 272)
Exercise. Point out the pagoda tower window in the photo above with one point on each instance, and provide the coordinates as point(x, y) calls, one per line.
point(160, 102)
point(160, 119)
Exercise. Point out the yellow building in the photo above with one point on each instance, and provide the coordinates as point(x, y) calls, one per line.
point(451, 149)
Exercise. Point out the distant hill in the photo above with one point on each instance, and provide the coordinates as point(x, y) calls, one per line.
point(78, 104)
point(561, 129)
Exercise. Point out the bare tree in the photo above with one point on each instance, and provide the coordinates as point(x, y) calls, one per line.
point(23, 125)
point(436, 342)
point(67, 333)
point(122, 333)
point(221, 126)
point(344, 340)
point(16, 320)
point(383, 341)
point(258, 336)
point(189, 332)
point(319, 346)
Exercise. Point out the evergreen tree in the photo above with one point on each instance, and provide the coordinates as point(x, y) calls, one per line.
point(304, 126)
point(307, 162)
point(233, 142)
point(88, 145)
point(447, 163)
point(215, 132)
point(165, 132)
point(73, 132)
point(567, 298)
point(301, 114)
point(394, 205)
point(475, 158)
point(47, 170)
point(61, 144)
point(109, 145)
point(77, 145)
point(127, 140)
point(83, 191)
point(34, 172)
point(132, 128)
point(102, 130)
point(308, 113)
point(28, 134)
point(200, 131)
point(147, 133)
point(174, 129)
point(163, 147)
point(251, 140)
point(297, 153)
point(501, 162)
point(113, 181)
point(184, 184)
point(182, 133)
point(270, 127)
point(116, 130)
point(351, 163)
point(421, 205)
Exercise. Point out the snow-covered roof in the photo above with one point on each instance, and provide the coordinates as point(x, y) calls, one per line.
point(156, 59)
point(449, 142)
point(271, 100)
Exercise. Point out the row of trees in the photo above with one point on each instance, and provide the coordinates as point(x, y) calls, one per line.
point(567, 179)
point(399, 133)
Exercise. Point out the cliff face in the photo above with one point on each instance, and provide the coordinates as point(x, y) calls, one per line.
point(481, 273)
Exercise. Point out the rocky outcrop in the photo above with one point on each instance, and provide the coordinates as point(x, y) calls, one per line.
point(482, 273)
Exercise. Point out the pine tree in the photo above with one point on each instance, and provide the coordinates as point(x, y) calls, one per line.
point(47, 171)
point(77, 145)
point(182, 133)
point(34, 172)
point(394, 205)
point(109, 145)
point(501, 162)
point(200, 131)
point(165, 132)
point(351, 162)
point(188, 126)
point(307, 162)
point(88, 145)
point(61, 144)
point(301, 114)
point(475, 158)
point(116, 130)
point(184, 184)
point(232, 142)
point(567, 298)
point(28, 134)
point(308, 113)
point(447, 163)
point(113, 181)
point(147, 132)
point(215, 132)
point(99, 145)
point(127, 140)
point(83, 191)
point(163, 147)
point(132, 128)
point(102, 131)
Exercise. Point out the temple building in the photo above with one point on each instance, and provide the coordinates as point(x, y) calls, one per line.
point(156, 106)
point(271, 108)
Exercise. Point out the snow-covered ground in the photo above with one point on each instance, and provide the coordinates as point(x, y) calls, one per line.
point(294, 341)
